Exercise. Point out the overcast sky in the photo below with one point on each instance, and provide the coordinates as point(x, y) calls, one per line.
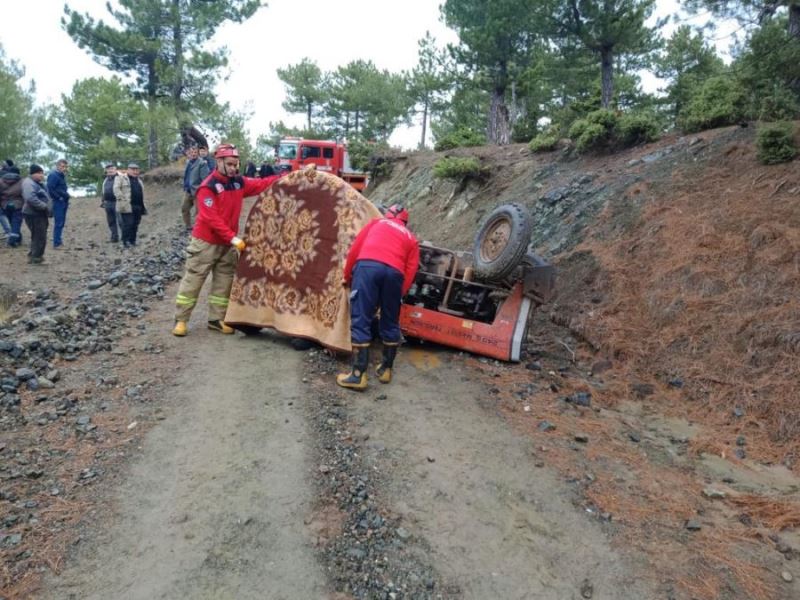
point(331, 33)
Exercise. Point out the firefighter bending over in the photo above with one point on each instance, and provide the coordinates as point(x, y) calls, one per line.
point(214, 245)
point(381, 264)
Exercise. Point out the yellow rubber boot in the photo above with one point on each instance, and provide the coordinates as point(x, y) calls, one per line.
point(384, 369)
point(356, 379)
point(221, 327)
point(180, 329)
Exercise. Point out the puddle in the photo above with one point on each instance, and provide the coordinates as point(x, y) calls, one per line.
point(422, 359)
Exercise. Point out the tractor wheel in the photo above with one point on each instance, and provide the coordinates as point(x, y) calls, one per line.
point(502, 241)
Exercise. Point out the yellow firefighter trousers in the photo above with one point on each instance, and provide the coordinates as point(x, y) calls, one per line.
point(202, 258)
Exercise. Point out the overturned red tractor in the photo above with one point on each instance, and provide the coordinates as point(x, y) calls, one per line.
point(480, 302)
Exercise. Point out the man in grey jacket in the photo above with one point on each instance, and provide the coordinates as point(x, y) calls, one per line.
point(201, 169)
point(37, 210)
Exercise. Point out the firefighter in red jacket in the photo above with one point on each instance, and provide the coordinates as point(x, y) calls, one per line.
point(214, 245)
point(381, 264)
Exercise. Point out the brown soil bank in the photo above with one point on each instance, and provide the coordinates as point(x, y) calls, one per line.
point(678, 261)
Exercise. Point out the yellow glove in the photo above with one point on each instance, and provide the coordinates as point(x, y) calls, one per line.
point(238, 243)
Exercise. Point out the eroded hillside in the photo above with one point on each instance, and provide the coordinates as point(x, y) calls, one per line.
point(678, 261)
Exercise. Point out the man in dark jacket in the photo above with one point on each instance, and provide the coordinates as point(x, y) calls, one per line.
point(11, 204)
point(37, 209)
point(57, 189)
point(110, 202)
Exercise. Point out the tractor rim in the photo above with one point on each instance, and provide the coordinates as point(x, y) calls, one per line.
point(495, 240)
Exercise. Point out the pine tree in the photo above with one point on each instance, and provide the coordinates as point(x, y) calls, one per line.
point(305, 88)
point(18, 136)
point(687, 61)
point(429, 80)
point(611, 29)
point(495, 42)
point(161, 44)
point(752, 12)
point(97, 122)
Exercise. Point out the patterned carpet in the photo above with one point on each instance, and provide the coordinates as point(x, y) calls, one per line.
point(290, 275)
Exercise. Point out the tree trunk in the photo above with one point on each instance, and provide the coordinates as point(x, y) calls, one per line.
point(152, 105)
point(424, 123)
point(308, 116)
point(794, 20)
point(355, 125)
point(177, 40)
point(606, 77)
point(152, 141)
point(498, 132)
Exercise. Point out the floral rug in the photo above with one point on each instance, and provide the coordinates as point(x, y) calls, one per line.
point(290, 275)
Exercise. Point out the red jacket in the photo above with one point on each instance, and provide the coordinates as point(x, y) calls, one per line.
point(387, 241)
point(219, 204)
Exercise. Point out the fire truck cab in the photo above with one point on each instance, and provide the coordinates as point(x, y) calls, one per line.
point(293, 154)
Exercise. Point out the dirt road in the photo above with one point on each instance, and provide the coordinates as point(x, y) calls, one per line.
point(223, 496)
point(214, 505)
point(217, 502)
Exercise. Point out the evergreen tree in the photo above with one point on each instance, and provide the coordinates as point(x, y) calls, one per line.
point(464, 114)
point(429, 80)
point(389, 105)
point(350, 96)
point(495, 42)
point(768, 70)
point(611, 29)
point(753, 12)
point(233, 130)
point(306, 89)
point(19, 139)
point(686, 62)
point(99, 121)
point(161, 44)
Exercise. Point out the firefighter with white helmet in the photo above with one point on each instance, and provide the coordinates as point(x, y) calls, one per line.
point(214, 245)
point(381, 264)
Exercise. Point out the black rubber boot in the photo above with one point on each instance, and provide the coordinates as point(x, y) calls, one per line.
point(384, 369)
point(357, 378)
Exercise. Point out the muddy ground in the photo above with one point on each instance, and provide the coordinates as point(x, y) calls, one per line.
point(233, 467)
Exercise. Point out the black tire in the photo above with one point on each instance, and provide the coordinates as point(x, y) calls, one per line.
point(502, 241)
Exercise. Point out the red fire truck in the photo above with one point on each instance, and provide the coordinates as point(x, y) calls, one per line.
point(293, 153)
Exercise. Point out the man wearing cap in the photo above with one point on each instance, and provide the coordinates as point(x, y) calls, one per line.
point(129, 192)
point(214, 245)
point(57, 188)
point(110, 202)
point(37, 209)
point(382, 264)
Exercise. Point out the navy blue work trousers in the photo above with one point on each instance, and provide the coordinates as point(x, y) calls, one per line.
point(59, 220)
point(375, 285)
